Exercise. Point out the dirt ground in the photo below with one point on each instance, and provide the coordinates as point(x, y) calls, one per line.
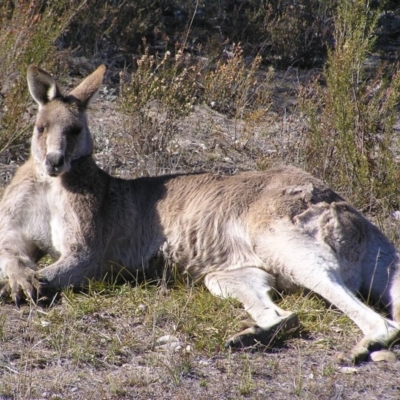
point(309, 366)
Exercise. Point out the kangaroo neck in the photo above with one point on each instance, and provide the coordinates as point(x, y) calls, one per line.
point(83, 173)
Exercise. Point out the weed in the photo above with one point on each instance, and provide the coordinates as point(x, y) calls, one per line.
point(178, 366)
point(328, 369)
point(298, 379)
point(246, 380)
point(2, 325)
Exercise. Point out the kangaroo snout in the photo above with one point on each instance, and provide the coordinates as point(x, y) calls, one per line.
point(55, 163)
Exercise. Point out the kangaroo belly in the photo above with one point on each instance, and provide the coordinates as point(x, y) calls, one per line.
point(198, 248)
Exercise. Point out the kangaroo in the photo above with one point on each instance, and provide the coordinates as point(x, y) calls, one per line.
point(243, 235)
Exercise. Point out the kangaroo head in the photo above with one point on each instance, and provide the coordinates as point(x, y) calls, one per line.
point(61, 133)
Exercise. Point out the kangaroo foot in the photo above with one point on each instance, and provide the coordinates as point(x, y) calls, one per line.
point(365, 350)
point(264, 335)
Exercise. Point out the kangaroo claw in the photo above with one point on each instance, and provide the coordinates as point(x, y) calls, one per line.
point(17, 300)
point(22, 284)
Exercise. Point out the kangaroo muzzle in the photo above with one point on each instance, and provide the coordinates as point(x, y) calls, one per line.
point(55, 164)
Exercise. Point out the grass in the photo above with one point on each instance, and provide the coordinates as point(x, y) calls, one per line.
point(110, 334)
point(107, 325)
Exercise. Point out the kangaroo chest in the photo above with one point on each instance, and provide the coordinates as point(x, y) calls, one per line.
point(62, 220)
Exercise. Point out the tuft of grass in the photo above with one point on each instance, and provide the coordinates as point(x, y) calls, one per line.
point(298, 380)
point(318, 318)
point(246, 384)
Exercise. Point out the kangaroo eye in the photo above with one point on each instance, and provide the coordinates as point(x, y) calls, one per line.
point(40, 129)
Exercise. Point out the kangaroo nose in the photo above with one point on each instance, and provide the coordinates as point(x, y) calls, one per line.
point(55, 160)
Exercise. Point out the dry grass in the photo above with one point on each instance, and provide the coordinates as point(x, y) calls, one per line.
point(105, 343)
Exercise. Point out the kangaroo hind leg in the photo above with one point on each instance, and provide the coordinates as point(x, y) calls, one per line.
point(250, 286)
point(312, 264)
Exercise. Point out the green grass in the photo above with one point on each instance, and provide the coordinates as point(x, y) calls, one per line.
point(192, 314)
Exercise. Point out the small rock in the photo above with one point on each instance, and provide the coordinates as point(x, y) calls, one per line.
point(166, 339)
point(383, 355)
point(141, 308)
point(168, 342)
point(348, 370)
point(396, 215)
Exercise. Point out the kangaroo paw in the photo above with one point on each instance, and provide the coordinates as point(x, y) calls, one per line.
point(264, 335)
point(374, 343)
point(22, 284)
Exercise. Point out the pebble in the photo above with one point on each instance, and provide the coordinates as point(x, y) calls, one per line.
point(168, 342)
point(383, 355)
point(142, 308)
point(348, 370)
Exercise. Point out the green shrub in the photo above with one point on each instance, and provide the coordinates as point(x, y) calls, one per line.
point(351, 137)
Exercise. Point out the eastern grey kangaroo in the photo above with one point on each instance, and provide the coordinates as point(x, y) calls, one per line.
point(242, 235)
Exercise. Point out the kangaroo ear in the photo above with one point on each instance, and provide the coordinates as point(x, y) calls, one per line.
point(86, 91)
point(42, 86)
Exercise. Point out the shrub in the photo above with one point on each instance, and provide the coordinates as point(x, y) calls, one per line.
point(284, 32)
point(289, 32)
point(233, 86)
point(28, 32)
point(351, 137)
point(164, 90)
